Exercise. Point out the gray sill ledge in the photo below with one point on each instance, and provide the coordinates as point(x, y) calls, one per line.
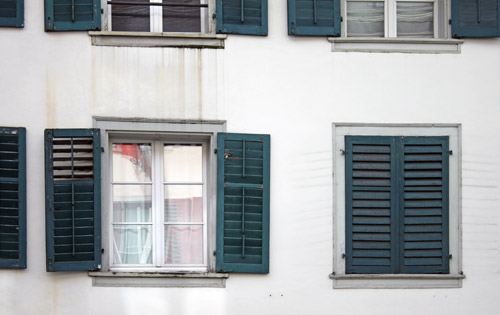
point(163, 280)
point(396, 281)
point(147, 39)
point(397, 45)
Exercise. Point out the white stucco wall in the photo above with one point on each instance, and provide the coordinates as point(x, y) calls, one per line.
point(291, 88)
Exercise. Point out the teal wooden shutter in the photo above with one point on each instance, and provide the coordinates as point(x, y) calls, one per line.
point(475, 18)
point(370, 204)
point(314, 17)
point(12, 13)
point(424, 201)
point(242, 17)
point(243, 165)
point(73, 199)
point(72, 15)
point(12, 197)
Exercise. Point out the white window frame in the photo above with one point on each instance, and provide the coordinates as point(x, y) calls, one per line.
point(158, 222)
point(390, 16)
point(156, 18)
point(339, 276)
point(183, 131)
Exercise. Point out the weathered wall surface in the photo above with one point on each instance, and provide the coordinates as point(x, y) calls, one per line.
point(293, 89)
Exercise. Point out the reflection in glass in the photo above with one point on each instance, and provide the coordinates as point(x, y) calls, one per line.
point(132, 244)
point(183, 163)
point(183, 203)
point(415, 19)
point(131, 162)
point(132, 203)
point(365, 19)
point(183, 244)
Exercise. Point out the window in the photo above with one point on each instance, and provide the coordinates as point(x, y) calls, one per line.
point(176, 197)
point(159, 204)
point(12, 197)
point(394, 18)
point(12, 13)
point(397, 205)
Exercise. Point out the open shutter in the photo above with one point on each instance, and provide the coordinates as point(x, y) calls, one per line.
point(314, 17)
point(242, 17)
point(73, 199)
point(475, 18)
point(12, 13)
point(12, 197)
point(243, 165)
point(370, 204)
point(72, 15)
point(424, 232)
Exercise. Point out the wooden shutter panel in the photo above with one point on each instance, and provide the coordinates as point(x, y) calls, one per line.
point(12, 197)
point(12, 13)
point(243, 172)
point(72, 15)
point(242, 17)
point(475, 18)
point(73, 199)
point(370, 204)
point(424, 223)
point(314, 17)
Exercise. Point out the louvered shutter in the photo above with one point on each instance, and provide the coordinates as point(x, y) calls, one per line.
point(314, 17)
point(72, 15)
point(424, 224)
point(370, 204)
point(73, 199)
point(242, 17)
point(12, 197)
point(12, 13)
point(475, 18)
point(243, 165)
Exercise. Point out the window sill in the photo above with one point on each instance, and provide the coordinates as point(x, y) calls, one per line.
point(143, 39)
point(396, 45)
point(158, 280)
point(396, 281)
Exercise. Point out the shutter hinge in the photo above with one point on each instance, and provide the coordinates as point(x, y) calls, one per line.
point(215, 150)
point(102, 11)
point(341, 19)
point(102, 250)
point(213, 16)
point(343, 151)
point(102, 149)
point(214, 253)
point(449, 21)
point(343, 255)
point(450, 256)
point(451, 152)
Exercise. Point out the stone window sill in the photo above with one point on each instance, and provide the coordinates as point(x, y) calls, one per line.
point(396, 45)
point(396, 281)
point(143, 39)
point(161, 280)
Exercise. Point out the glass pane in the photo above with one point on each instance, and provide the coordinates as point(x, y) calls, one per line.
point(132, 203)
point(131, 162)
point(183, 19)
point(132, 18)
point(365, 19)
point(183, 244)
point(132, 244)
point(183, 203)
point(415, 19)
point(183, 163)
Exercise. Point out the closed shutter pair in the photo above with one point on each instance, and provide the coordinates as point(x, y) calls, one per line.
point(232, 16)
point(469, 18)
point(73, 196)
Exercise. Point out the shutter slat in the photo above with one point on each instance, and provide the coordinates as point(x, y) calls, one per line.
point(73, 200)
point(243, 203)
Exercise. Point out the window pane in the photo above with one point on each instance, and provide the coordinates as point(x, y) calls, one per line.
point(183, 244)
point(134, 18)
point(415, 19)
point(183, 203)
point(132, 244)
point(365, 19)
point(131, 162)
point(132, 203)
point(183, 19)
point(183, 163)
